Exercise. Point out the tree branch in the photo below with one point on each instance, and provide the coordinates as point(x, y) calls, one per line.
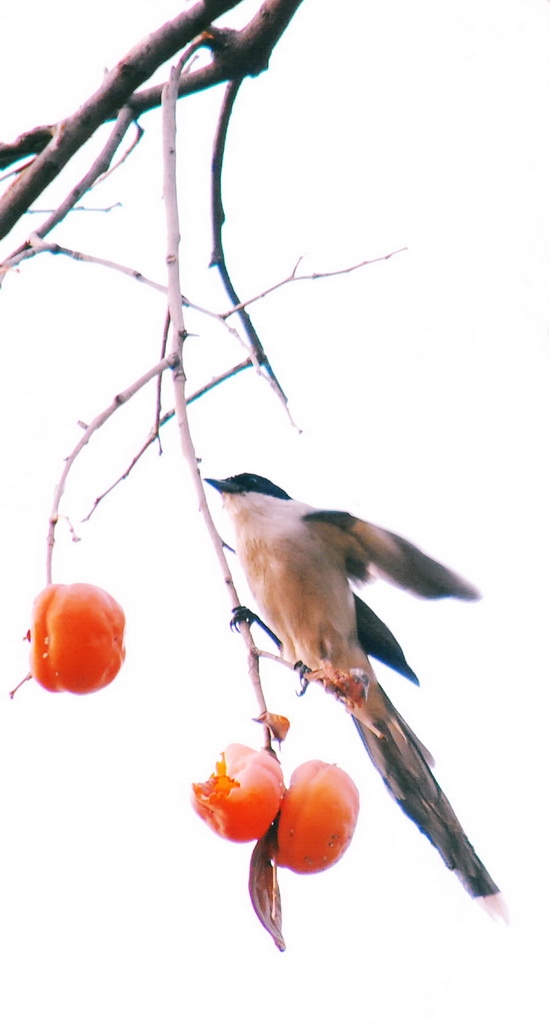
point(161, 422)
point(314, 276)
point(234, 54)
point(218, 256)
point(38, 245)
point(96, 423)
point(98, 169)
point(178, 336)
point(119, 84)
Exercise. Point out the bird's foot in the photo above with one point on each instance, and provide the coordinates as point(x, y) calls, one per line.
point(350, 687)
point(243, 614)
point(303, 672)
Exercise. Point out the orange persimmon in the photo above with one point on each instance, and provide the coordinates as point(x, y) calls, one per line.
point(318, 817)
point(77, 638)
point(242, 797)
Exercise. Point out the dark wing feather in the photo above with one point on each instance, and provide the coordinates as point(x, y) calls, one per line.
point(379, 642)
point(393, 556)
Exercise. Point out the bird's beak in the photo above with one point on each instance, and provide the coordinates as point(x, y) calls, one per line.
point(223, 486)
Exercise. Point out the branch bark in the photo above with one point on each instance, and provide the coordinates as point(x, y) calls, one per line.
point(98, 169)
point(218, 255)
point(235, 54)
point(178, 336)
point(119, 84)
point(161, 421)
point(96, 423)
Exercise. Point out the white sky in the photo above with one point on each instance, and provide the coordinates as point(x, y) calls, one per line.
point(421, 388)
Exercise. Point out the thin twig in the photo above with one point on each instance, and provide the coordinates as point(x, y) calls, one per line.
point(273, 656)
point(219, 379)
point(154, 433)
point(316, 275)
point(245, 52)
point(115, 91)
point(38, 245)
point(158, 407)
point(15, 171)
point(218, 255)
point(81, 209)
point(140, 132)
point(96, 423)
point(178, 336)
point(98, 169)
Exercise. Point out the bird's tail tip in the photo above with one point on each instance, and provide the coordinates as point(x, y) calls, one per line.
point(404, 764)
point(495, 906)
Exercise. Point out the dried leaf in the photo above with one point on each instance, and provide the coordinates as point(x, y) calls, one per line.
point(278, 725)
point(264, 890)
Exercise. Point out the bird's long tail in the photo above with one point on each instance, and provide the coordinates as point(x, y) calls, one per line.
point(404, 764)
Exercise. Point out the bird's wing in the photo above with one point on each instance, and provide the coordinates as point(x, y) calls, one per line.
point(379, 642)
point(365, 546)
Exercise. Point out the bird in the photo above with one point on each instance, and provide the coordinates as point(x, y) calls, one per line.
point(301, 564)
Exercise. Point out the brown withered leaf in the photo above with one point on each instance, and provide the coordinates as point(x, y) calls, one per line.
point(264, 890)
point(278, 725)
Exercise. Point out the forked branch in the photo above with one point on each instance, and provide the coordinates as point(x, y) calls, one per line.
point(178, 336)
point(96, 423)
point(234, 54)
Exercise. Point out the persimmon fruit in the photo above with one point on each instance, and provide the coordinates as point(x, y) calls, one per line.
point(317, 819)
point(77, 638)
point(242, 796)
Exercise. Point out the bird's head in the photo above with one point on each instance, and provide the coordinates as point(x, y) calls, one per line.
point(248, 483)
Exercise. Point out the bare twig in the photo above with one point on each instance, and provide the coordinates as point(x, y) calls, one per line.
point(80, 209)
point(14, 171)
point(38, 245)
point(246, 53)
point(98, 169)
point(140, 132)
point(158, 408)
point(96, 423)
point(154, 433)
point(219, 379)
point(218, 256)
point(116, 89)
point(315, 276)
point(178, 337)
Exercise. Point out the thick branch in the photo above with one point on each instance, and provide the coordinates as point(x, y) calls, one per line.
point(119, 84)
point(235, 54)
point(99, 168)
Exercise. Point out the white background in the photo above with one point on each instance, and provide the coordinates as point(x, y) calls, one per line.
point(420, 385)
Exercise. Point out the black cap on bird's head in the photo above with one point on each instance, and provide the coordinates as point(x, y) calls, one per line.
point(246, 483)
